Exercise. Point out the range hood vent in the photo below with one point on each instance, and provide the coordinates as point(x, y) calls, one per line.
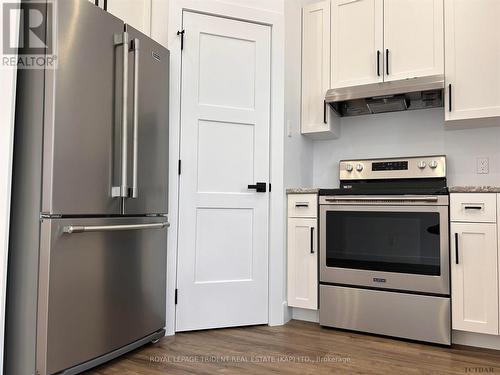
point(402, 95)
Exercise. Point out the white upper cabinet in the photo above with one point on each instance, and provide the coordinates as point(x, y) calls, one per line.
point(413, 38)
point(315, 66)
point(357, 42)
point(472, 44)
point(136, 13)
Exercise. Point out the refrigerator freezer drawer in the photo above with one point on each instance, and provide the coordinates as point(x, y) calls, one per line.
point(101, 287)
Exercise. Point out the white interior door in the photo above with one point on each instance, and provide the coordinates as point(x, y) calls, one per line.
point(222, 276)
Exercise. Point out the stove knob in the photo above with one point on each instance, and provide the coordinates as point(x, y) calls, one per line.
point(422, 164)
point(433, 164)
point(359, 167)
point(349, 167)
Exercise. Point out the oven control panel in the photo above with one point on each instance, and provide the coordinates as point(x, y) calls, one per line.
point(394, 168)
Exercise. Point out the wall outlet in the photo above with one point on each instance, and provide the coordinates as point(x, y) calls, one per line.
point(482, 165)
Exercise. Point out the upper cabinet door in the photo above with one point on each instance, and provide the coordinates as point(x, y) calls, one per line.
point(413, 38)
point(472, 42)
point(357, 42)
point(315, 65)
point(136, 13)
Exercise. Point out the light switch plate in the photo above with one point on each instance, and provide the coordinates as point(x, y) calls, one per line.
point(483, 165)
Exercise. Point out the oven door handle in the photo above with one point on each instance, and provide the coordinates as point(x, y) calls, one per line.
point(382, 199)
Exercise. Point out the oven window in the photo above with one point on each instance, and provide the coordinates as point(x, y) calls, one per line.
point(405, 242)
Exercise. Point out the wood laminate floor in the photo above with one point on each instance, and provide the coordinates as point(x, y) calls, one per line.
point(297, 348)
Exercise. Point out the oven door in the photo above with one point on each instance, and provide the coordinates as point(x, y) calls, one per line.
point(397, 247)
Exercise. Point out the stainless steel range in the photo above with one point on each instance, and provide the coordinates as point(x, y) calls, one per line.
point(384, 249)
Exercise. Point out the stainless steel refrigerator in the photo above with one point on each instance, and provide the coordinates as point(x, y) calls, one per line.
point(87, 256)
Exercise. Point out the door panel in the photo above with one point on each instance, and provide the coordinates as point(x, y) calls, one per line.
point(153, 105)
point(315, 65)
point(474, 275)
point(223, 259)
point(414, 36)
point(357, 35)
point(78, 162)
point(303, 263)
point(104, 289)
point(472, 66)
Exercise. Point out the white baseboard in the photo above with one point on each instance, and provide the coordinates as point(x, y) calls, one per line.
point(305, 314)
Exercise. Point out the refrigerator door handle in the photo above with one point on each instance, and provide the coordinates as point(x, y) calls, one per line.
point(122, 190)
point(136, 116)
point(70, 229)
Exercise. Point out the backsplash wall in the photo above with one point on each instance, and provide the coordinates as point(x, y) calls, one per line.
point(410, 133)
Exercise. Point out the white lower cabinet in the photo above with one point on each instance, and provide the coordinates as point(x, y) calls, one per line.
point(474, 263)
point(474, 277)
point(302, 260)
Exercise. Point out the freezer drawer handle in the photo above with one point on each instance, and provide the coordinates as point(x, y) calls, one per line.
point(70, 229)
point(135, 44)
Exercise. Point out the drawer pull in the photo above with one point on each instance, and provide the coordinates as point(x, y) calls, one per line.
point(305, 205)
point(456, 248)
point(467, 207)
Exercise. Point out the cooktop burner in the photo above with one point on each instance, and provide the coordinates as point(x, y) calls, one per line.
point(424, 175)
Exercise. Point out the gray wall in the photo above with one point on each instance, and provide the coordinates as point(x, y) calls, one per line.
point(410, 133)
point(298, 149)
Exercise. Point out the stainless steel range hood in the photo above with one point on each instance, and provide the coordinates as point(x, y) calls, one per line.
point(402, 95)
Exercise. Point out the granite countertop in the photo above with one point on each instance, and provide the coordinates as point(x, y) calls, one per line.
point(306, 190)
point(475, 189)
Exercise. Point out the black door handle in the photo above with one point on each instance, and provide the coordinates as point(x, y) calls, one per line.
point(456, 248)
point(449, 97)
point(325, 120)
point(260, 187)
point(312, 240)
point(378, 63)
point(387, 61)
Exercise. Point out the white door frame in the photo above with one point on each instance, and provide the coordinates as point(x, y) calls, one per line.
point(277, 261)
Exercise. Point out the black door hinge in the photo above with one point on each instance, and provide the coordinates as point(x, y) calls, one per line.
point(180, 168)
point(181, 33)
point(175, 298)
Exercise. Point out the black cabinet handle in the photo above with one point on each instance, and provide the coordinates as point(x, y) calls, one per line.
point(325, 120)
point(473, 207)
point(105, 5)
point(260, 187)
point(456, 248)
point(96, 3)
point(303, 205)
point(387, 61)
point(449, 97)
point(378, 63)
point(312, 240)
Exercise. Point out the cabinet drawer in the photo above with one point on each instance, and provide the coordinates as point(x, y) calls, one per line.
point(302, 205)
point(473, 207)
